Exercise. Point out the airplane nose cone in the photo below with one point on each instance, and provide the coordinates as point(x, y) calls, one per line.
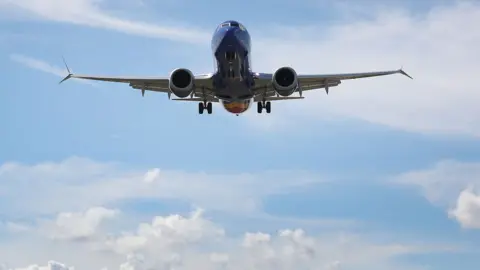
point(229, 34)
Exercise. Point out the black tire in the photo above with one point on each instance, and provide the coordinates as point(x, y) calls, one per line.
point(259, 107)
point(200, 108)
point(268, 107)
point(209, 108)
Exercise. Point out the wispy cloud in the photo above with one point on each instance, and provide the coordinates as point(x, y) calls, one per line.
point(44, 66)
point(243, 193)
point(442, 98)
point(89, 13)
point(421, 43)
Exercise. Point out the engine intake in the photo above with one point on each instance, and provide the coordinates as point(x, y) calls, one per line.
point(285, 81)
point(181, 82)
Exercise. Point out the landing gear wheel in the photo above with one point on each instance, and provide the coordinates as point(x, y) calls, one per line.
point(268, 107)
point(259, 107)
point(209, 108)
point(201, 107)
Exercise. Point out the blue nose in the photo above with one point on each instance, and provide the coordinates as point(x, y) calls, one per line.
point(229, 34)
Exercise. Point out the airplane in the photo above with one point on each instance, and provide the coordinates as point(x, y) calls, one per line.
point(233, 83)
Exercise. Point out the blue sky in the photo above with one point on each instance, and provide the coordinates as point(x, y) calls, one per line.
point(381, 173)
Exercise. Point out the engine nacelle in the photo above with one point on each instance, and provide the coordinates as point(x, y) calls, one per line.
point(285, 81)
point(181, 82)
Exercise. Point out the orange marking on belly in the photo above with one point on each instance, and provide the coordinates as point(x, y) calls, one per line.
point(236, 107)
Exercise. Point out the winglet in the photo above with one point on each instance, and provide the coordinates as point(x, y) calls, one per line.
point(404, 73)
point(68, 70)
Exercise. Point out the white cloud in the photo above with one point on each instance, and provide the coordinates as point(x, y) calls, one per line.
point(442, 58)
point(170, 241)
point(38, 64)
point(443, 182)
point(52, 265)
point(77, 184)
point(450, 184)
point(15, 227)
point(166, 234)
point(90, 13)
point(79, 225)
point(193, 242)
point(44, 67)
point(152, 175)
point(467, 209)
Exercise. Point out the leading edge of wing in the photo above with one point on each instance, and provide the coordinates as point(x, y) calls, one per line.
point(111, 78)
point(338, 76)
point(114, 78)
point(106, 78)
point(347, 76)
point(121, 78)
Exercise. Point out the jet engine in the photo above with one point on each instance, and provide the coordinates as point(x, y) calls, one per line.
point(285, 81)
point(181, 82)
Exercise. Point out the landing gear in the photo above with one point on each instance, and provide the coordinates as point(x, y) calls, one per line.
point(262, 104)
point(209, 108)
point(204, 105)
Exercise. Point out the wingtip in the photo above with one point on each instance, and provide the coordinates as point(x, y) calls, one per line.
point(66, 66)
point(68, 70)
point(401, 71)
point(66, 78)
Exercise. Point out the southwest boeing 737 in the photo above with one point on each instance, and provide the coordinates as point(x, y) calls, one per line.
point(233, 83)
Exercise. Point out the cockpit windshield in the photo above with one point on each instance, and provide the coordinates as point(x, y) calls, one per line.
point(232, 24)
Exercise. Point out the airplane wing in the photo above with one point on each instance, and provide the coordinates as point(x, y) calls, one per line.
point(203, 83)
point(264, 89)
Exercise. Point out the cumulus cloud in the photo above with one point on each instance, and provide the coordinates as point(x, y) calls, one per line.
point(450, 184)
point(193, 242)
point(166, 234)
point(467, 209)
point(52, 265)
point(171, 241)
point(79, 225)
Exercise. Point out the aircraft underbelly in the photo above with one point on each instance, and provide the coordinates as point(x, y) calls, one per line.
point(234, 90)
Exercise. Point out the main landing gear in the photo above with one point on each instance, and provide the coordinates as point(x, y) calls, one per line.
point(262, 104)
point(205, 105)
